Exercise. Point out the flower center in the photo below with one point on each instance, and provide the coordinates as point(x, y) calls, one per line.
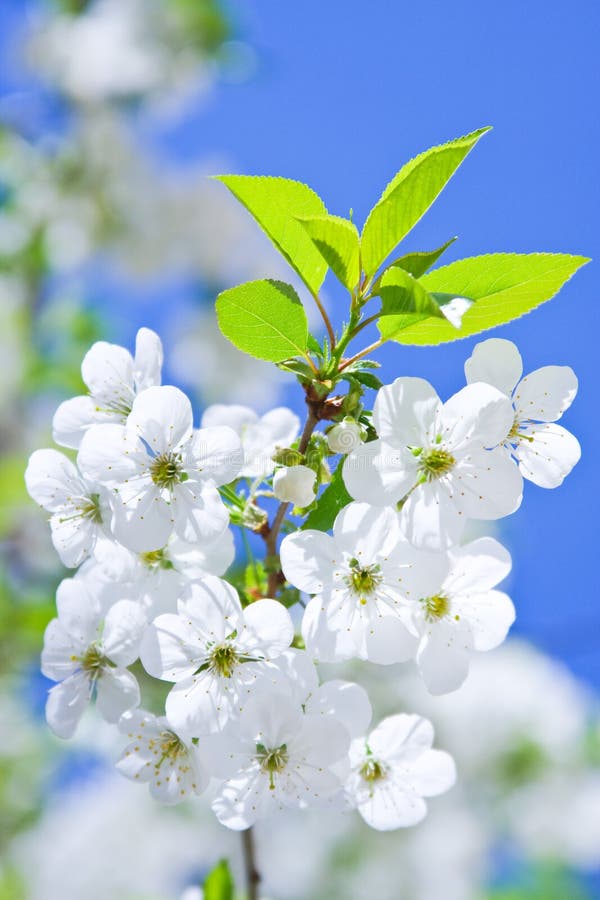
point(363, 580)
point(224, 659)
point(156, 559)
point(515, 435)
point(435, 462)
point(166, 470)
point(91, 509)
point(372, 770)
point(272, 761)
point(93, 660)
point(435, 607)
point(171, 748)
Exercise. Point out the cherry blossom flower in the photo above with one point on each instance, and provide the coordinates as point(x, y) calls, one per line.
point(158, 755)
point(214, 651)
point(164, 475)
point(433, 458)
point(113, 378)
point(295, 484)
point(79, 507)
point(545, 452)
point(157, 579)
point(87, 649)
point(462, 613)
point(260, 436)
point(394, 768)
point(275, 756)
point(361, 607)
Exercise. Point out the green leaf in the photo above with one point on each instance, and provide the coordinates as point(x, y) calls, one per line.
point(416, 264)
point(338, 242)
point(276, 204)
point(264, 319)
point(404, 301)
point(505, 286)
point(333, 499)
point(409, 195)
point(219, 883)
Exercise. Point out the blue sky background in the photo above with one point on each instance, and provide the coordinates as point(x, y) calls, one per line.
point(343, 94)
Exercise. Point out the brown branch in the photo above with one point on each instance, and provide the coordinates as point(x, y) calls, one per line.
point(252, 873)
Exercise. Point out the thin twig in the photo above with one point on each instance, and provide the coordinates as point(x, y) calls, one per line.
point(325, 318)
point(362, 353)
point(250, 867)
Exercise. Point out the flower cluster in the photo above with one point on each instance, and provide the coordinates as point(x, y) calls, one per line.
point(144, 513)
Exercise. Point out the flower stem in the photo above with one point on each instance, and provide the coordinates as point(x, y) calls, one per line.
point(252, 873)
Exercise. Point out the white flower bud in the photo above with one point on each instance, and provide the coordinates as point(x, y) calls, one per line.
point(295, 484)
point(344, 436)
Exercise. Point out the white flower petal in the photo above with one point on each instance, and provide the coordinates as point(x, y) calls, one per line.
point(443, 657)
point(148, 359)
point(107, 370)
point(401, 735)
point(217, 454)
point(379, 473)
point(545, 394)
point(52, 480)
point(59, 648)
point(432, 773)
point(488, 485)
point(242, 800)
point(231, 415)
point(73, 418)
point(489, 616)
point(477, 567)
point(200, 514)
point(392, 805)
point(167, 650)
point(116, 691)
point(345, 701)
point(108, 455)
point(368, 533)
point(145, 522)
point(79, 611)
point(213, 607)
point(295, 484)
point(162, 417)
point(308, 559)
point(268, 629)
point(496, 362)
point(66, 704)
point(478, 414)
point(73, 538)
point(430, 519)
point(388, 641)
point(269, 718)
point(124, 627)
point(548, 456)
point(200, 704)
point(405, 411)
